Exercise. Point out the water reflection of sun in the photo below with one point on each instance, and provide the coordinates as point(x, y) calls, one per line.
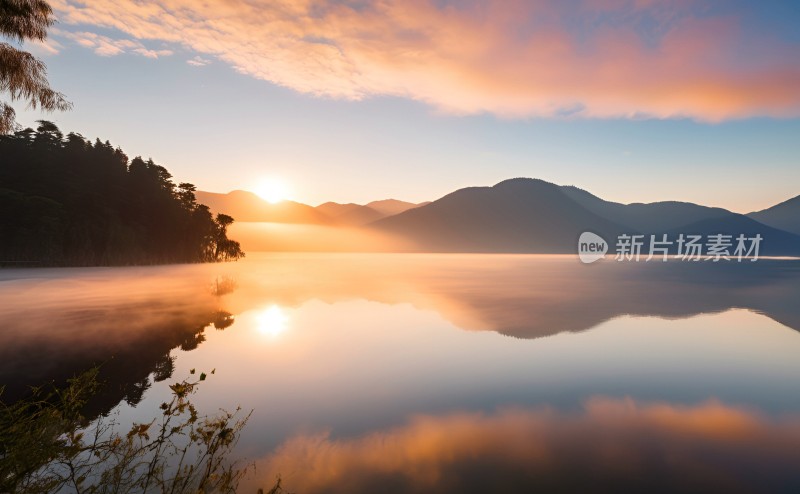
point(272, 321)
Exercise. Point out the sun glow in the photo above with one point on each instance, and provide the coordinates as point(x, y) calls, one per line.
point(272, 321)
point(272, 190)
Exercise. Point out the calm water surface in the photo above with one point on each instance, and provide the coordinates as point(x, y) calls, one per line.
point(431, 373)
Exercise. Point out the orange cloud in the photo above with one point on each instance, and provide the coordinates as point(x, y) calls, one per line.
point(616, 58)
point(108, 47)
point(613, 444)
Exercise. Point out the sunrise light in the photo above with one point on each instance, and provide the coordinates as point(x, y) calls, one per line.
point(273, 190)
point(272, 321)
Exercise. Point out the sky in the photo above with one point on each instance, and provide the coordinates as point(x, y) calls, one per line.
point(359, 100)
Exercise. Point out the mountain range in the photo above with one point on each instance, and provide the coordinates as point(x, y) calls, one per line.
point(246, 206)
point(357, 214)
point(524, 215)
point(528, 215)
point(784, 216)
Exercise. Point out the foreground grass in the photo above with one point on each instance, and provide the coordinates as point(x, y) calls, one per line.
point(46, 445)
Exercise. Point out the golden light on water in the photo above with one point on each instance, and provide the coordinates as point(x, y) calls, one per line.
point(272, 321)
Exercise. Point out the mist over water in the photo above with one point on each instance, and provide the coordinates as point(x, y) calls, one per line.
point(285, 237)
point(419, 373)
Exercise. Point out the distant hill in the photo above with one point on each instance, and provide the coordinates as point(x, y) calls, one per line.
point(529, 215)
point(653, 217)
point(521, 215)
point(518, 215)
point(357, 215)
point(390, 207)
point(775, 242)
point(350, 214)
point(785, 216)
point(334, 209)
point(247, 206)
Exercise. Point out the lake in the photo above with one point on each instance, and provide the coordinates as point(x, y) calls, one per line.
point(444, 373)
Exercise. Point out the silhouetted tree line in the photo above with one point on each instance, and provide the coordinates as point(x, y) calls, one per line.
point(67, 201)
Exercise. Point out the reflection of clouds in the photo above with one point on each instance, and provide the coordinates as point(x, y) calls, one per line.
point(612, 443)
point(272, 321)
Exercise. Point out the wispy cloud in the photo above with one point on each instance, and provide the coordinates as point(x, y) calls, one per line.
point(109, 47)
point(48, 47)
point(512, 58)
point(198, 61)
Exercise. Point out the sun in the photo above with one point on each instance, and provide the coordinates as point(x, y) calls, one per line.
point(272, 190)
point(272, 321)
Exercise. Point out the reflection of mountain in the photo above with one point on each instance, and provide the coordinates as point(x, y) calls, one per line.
point(532, 296)
point(246, 206)
point(537, 301)
point(527, 215)
point(59, 322)
point(785, 216)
